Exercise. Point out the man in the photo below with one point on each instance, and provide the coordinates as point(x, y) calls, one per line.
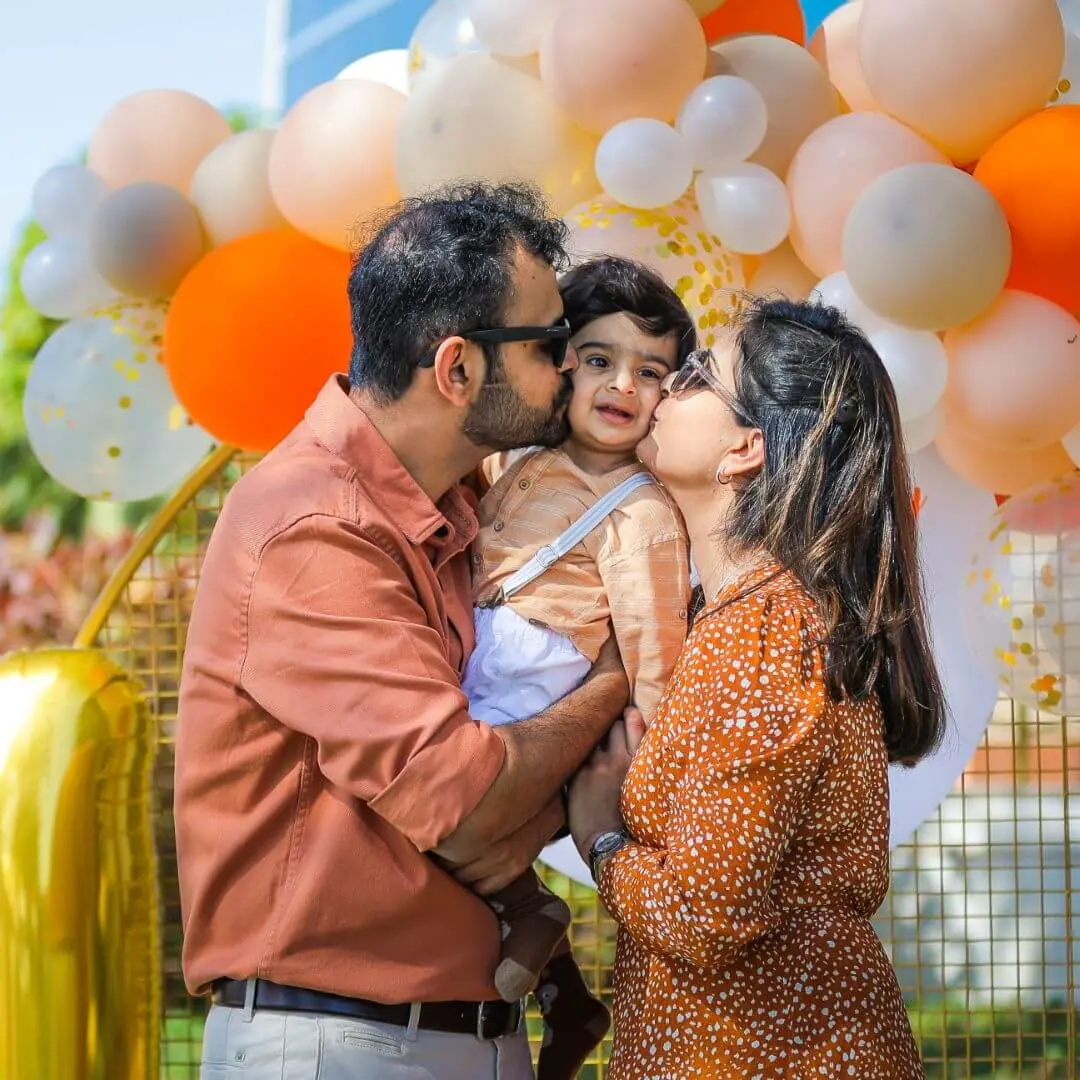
point(324, 745)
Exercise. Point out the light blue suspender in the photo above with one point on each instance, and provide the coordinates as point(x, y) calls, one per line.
point(550, 554)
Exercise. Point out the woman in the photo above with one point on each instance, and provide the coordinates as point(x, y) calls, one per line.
point(750, 845)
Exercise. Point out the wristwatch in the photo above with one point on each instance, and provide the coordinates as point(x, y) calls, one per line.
point(607, 843)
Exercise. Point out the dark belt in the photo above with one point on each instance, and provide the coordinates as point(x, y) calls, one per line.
point(485, 1019)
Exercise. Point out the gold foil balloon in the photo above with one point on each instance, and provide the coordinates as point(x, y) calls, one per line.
point(485, 118)
point(1022, 599)
point(675, 242)
point(79, 938)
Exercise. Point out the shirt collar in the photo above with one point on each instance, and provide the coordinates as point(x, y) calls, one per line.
point(347, 432)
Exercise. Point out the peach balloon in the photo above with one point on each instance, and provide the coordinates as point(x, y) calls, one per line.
point(158, 135)
point(797, 92)
point(484, 118)
point(835, 46)
point(781, 273)
point(1002, 470)
point(231, 188)
point(612, 60)
point(833, 168)
point(927, 246)
point(961, 72)
point(1014, 373)
point(332, 161)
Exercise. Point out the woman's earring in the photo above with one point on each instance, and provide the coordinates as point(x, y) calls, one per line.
point(722, 476)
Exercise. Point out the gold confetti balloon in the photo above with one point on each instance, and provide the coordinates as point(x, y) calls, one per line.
point(80, 964)
point(100, 413)
point(1022, 597)
point(674, 241)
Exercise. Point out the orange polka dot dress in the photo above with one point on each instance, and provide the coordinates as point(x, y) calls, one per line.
point(760, 814)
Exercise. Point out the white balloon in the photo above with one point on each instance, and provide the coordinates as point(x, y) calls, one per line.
point(724, 121)
point(1067, 91)
point(389, 67)
point(918, 366)
point(59, 280)
point(65, 198)
point(100, 413)
point(512, 27)
point(644, 163)
point(836, 291)
point(443, 32)
point(746, 208)
point(952, 514)
point(923, 430)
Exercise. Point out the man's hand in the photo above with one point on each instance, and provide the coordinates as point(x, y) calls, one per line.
point(506, 860)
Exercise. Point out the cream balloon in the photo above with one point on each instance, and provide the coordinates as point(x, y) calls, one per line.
point(644, 163)
point(231, 188)
point(835, 46)
point(144, 238)
point(613, 60)
point(723, 121)
point(962, 72)
point(833, 168)
point(927, 246)
point(1014, 373)
point(797, 92)
point(918, 367)
point(1003, 470)
point(65, 198)
point(836, 291)
point(332, 161)
point(746, 207)
point(923, 430)
point(158, 135)
point(483, 118)
point(780, 273)
point(513, 27)
point(388, 66)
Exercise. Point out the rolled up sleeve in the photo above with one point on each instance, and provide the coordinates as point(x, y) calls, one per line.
point(338, 649)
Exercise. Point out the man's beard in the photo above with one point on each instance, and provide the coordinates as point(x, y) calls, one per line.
point(500, 419)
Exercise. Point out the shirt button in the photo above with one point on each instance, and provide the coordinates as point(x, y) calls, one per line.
point(478, 559)
point(498, 526)
point(523, 484)
point(442, 532)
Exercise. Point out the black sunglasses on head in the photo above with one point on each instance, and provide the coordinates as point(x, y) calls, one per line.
point(555, 339)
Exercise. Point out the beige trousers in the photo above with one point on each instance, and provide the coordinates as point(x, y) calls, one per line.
point(313, 1046)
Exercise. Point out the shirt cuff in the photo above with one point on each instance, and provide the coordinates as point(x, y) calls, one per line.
point(442, 784)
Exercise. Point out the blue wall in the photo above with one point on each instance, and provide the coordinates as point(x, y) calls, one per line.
point(323, 36)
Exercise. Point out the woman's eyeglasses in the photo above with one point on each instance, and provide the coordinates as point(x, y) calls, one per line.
point(555, 339)
point(695, 374)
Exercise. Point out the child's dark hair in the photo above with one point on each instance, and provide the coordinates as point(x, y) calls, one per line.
point(611, 285)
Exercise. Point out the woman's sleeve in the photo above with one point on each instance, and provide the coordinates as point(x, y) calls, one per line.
point(748, 748)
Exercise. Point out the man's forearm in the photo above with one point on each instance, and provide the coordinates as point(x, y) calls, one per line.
point(541, 755)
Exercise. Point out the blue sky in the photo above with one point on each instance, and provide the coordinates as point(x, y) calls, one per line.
point(63, 63)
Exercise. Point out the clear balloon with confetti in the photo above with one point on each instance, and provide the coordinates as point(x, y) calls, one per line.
point(674, 241)
point(100, 413)
point(1022, 597)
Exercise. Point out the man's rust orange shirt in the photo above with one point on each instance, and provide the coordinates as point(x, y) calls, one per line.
point(323, 739)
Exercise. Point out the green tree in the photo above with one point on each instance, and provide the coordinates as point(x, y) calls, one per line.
point(25, 487)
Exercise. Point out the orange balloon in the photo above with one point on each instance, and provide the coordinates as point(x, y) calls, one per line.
point(1033, 171)
point(1002, 469)
point(254, 331)
point(784, 18)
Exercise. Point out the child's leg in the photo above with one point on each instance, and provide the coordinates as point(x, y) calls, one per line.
point(575, 1022)
point(534, 921)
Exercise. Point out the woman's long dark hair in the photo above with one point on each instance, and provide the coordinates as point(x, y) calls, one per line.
point(833, 504)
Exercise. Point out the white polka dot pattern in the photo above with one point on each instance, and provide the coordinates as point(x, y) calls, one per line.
point(760, 808)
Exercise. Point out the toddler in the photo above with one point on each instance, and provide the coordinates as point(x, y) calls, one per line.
point(576, 543)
